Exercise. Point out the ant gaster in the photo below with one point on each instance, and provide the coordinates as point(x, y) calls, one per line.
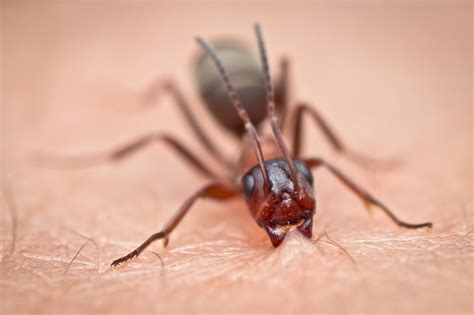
point(277, 185)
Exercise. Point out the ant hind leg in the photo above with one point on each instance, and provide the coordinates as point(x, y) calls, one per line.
point(335, 142)
point(125, 151)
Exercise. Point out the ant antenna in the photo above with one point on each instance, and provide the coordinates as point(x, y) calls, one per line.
point(271, 108)
point(239, 107)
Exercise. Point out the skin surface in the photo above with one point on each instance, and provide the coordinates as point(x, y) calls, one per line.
point(394, 79)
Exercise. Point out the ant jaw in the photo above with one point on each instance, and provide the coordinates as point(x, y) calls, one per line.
point(306, 228)
point(277, 233)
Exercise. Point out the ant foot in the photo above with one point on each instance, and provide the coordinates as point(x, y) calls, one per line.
point(124, 258)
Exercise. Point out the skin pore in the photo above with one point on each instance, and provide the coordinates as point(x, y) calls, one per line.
point(73, 77)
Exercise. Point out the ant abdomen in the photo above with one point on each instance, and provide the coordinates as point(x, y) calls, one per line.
point(245, 72)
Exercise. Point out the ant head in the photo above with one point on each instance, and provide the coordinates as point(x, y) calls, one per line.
point(283, 207)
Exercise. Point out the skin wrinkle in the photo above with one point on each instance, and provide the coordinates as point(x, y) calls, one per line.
point(222, 259)
point(136, 273)
point(219, 254)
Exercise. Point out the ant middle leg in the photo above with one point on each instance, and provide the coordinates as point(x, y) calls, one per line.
point(216, 190)
point(328, 132)
point(126, 150)
point(366, 198)
point(168, 86)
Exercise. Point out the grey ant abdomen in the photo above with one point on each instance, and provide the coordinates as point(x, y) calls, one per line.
point(243, 67)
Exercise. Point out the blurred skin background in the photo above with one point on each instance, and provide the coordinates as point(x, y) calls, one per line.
point(393, 78)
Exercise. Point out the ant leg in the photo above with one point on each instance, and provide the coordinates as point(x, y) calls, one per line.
point(328, 132)
point(168, 86)
point(216, 190)
point(124, 151)
point(368, 199)
point(282, 91)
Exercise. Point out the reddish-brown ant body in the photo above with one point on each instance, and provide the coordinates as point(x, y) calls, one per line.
point(276, 184)
point(278, 191)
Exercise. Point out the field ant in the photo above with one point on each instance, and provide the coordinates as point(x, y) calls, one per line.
point(275, 182)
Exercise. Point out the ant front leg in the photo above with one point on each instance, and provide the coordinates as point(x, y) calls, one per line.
point(168, 86)
point(126, 150)
point(329, 134)
point(366, 198)
point(218, 191)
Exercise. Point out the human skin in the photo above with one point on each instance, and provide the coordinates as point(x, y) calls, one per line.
point(394, 79)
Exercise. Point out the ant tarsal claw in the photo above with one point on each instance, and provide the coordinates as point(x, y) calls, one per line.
point(166, 240)
point(117, 262)
point(428, 225)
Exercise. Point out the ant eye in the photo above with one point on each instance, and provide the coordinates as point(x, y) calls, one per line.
point(303, 169)
point(249, 184)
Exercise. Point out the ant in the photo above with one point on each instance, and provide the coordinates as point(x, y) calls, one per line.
point(276, 184)
point(279, 191)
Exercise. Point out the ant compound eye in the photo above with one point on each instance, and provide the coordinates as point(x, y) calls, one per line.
point(248, 184)
point(303, 169)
